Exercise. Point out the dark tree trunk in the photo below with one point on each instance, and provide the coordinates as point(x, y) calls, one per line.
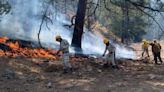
point(125, 22)
point(79, 24)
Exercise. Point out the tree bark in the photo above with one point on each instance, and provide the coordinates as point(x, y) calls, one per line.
point(79, 24)
point(125, 22)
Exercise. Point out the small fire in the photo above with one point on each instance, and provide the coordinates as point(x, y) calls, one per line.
point(3, 39)
point(13, 46)
point(2, 52)
point(16, 50)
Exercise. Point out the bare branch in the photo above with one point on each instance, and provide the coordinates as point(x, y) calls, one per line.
point(108, 9)
point(72, 22)
point(46, 19)
point(151, 17)
point(94, 11)
point(142, 6)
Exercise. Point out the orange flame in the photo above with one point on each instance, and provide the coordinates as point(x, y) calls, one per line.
point(25, 52)
point(3, 39)
point(13, 46)
point(2, 53)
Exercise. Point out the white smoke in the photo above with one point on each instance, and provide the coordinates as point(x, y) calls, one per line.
point(23, 23)
point(123, 52)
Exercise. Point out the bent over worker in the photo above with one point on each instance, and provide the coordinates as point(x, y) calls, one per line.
point(145, 48)
point(156, 50)
point(111, 53)
point(64, 48)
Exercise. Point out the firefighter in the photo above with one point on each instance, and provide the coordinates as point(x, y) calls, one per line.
point(145, 48)
point(156, 50)
point(111, 54)
point(64, 48)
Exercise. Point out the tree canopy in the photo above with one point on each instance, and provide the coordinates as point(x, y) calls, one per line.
point(127, 19)
point(5, 7)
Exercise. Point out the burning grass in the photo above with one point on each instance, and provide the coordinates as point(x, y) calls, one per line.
point(13, 48)
point(16, 50)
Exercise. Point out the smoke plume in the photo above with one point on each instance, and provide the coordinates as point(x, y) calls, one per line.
point(24, 20)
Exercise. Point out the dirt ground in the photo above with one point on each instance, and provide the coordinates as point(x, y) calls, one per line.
point(30, 76)
point(38, 75)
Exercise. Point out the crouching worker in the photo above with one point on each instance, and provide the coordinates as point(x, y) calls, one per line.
point(111, 54)
point(64, 48)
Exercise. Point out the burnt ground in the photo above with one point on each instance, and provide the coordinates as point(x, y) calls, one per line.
point(38, 75)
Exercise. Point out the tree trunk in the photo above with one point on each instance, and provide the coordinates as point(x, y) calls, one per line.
point(125, 22)
point(79, 24)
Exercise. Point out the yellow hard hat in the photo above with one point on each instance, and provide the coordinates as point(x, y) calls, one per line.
point(106, 41)
point(143, 40)
point(58, 37)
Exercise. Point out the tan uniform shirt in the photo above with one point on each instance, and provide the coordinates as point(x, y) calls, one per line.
point(111, 49)
point(64, 46)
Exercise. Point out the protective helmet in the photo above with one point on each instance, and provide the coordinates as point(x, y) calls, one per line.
point(143, 40)
point(58, 37)
point(154, 40)
point(106, 41)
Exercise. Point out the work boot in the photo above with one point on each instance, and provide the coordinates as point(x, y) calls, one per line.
point(71, 70)
point(65, 71)
point(105, 65)
point(161, 62)
point(115, 67)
